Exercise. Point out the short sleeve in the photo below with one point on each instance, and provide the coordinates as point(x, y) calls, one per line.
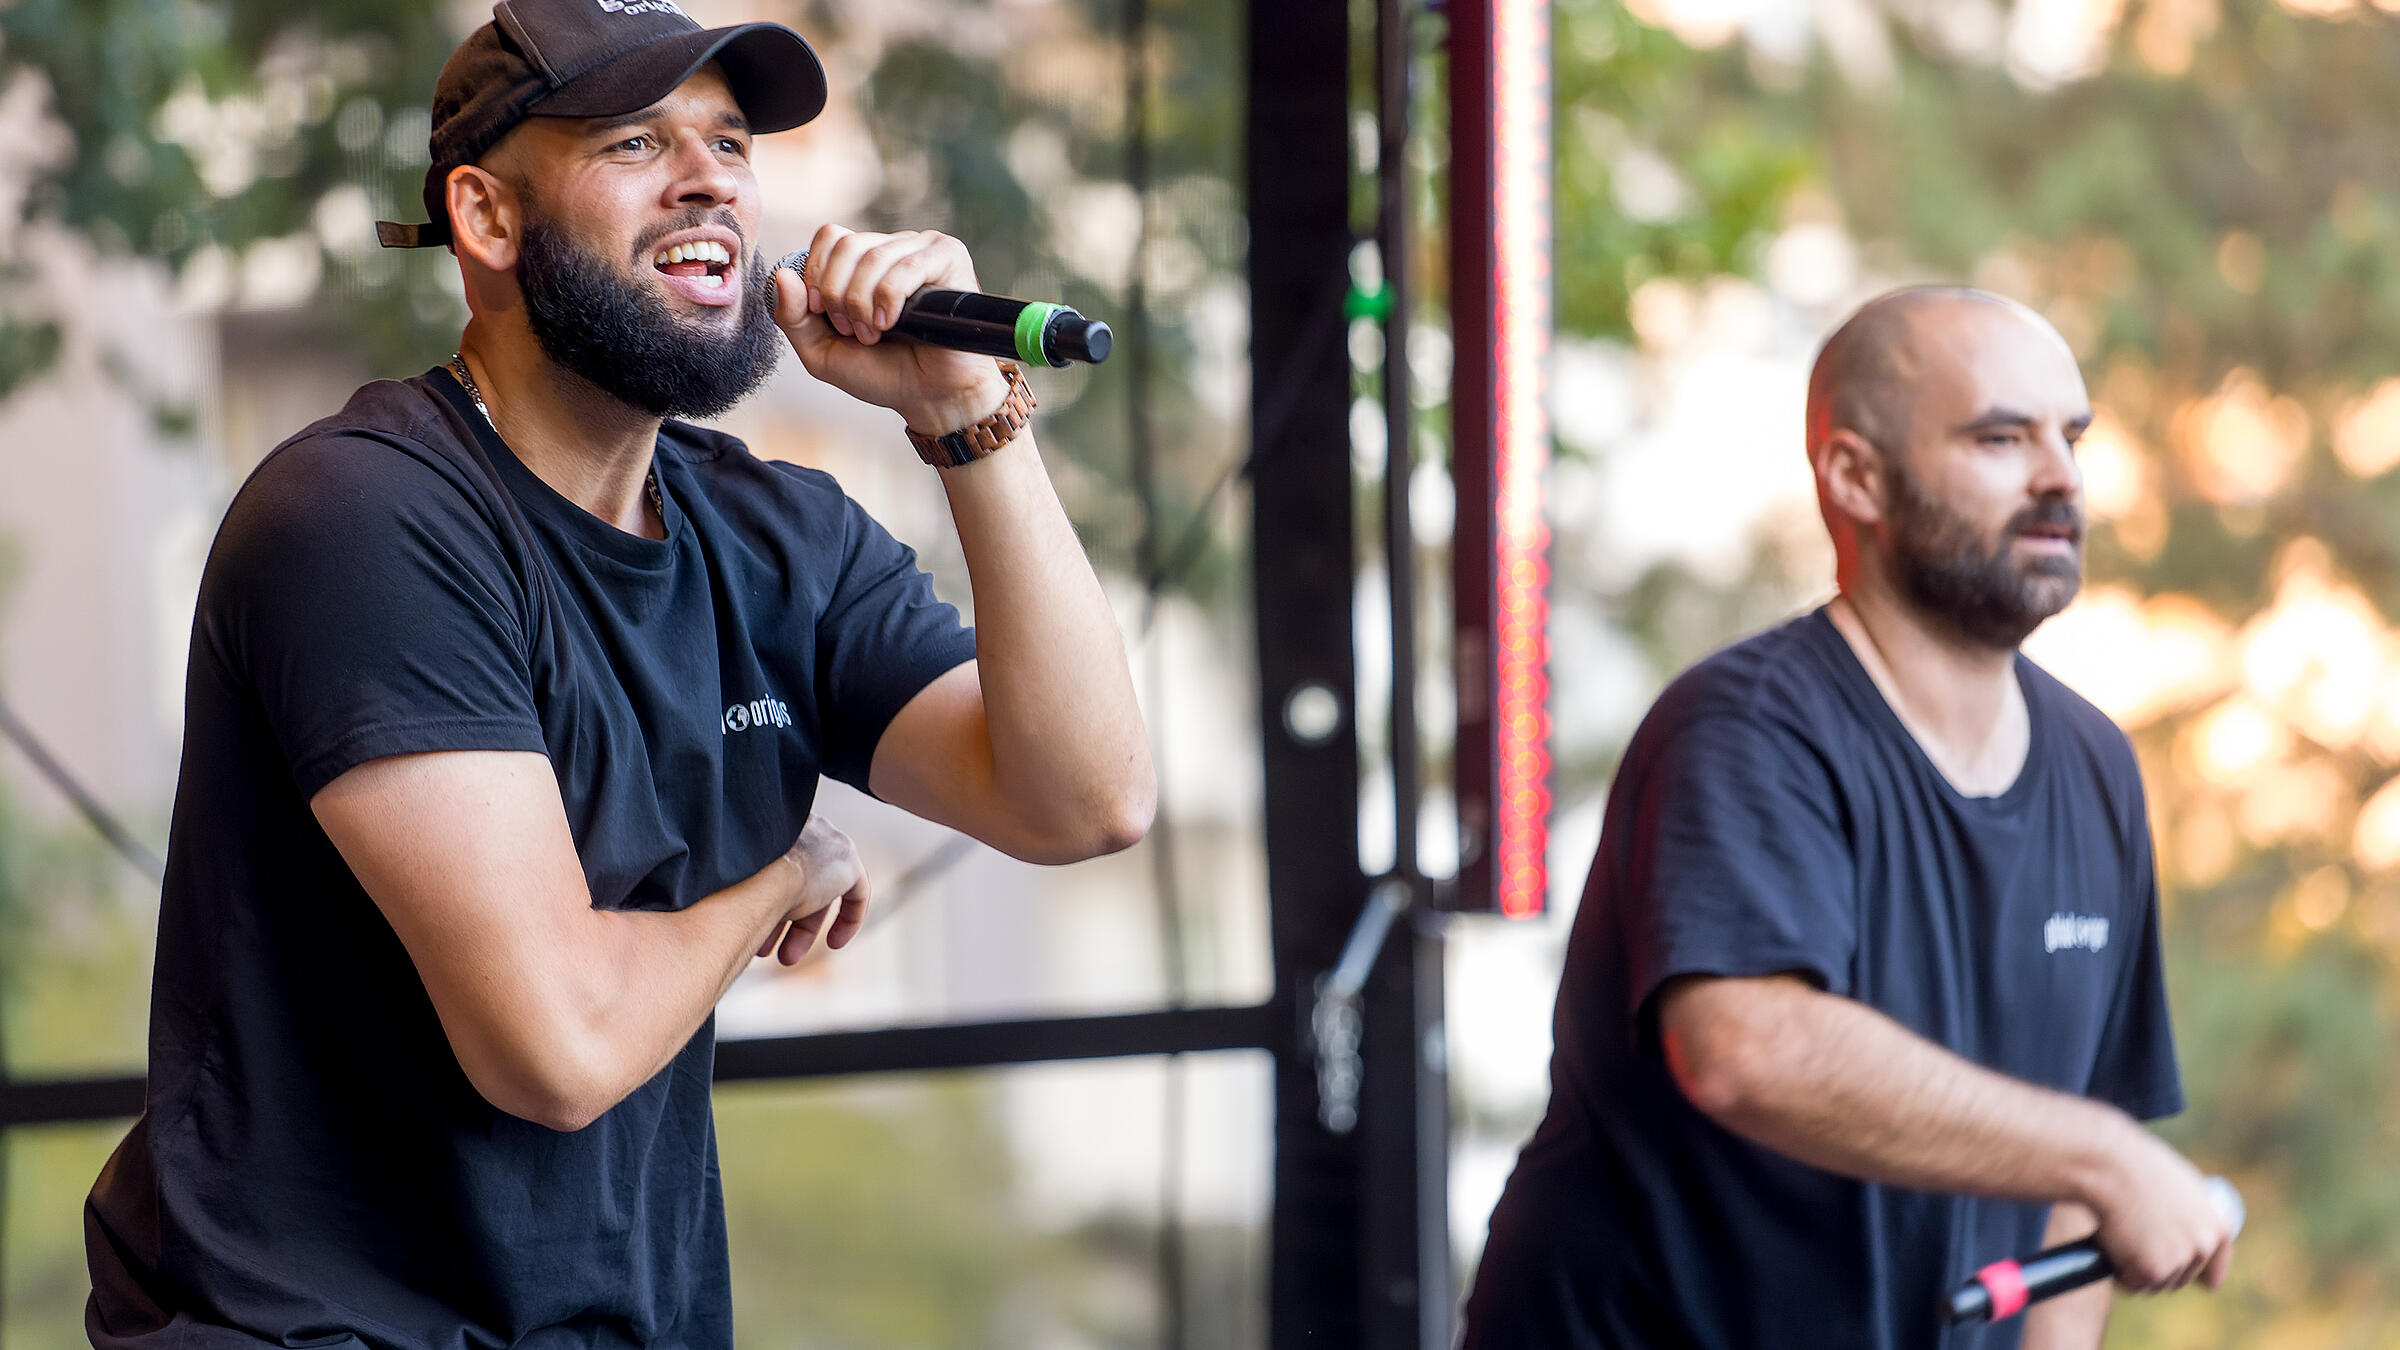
point(2135, 1068)
point(364, 597)
point(1744, 868)
point(882, 639)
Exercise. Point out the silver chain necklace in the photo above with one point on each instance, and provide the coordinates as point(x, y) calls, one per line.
point(466, 379)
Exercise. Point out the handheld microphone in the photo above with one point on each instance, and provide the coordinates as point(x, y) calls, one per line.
point(2005, 1288)
point(1032, 331)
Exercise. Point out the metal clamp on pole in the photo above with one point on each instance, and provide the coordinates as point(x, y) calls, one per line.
point(1334, 1024)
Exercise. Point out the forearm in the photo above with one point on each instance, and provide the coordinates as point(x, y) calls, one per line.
point(2076, 1321)
point(1043, 755)
point(1841, 1087)
point(1066, 736)
point(668, 968)
point(625, 992)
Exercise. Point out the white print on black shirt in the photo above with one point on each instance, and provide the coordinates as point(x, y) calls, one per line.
point(2066, 931)
point(760, 712)
point(641, 7)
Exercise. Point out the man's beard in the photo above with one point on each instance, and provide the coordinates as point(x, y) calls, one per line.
point(1983, 596)
point(595, 321)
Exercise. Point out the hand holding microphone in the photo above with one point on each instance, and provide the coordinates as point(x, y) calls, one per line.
point(861, 288)
point(1036, 332)
point(2006, 1288)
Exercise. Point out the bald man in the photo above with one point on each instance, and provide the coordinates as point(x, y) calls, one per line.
point(1865, 992)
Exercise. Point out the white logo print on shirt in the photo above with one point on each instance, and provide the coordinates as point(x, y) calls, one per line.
point(641, 7)
point(2065, 932)
point(758, 712)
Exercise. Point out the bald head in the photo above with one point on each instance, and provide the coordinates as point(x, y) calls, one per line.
point(1941, 428)
point(1867, 374)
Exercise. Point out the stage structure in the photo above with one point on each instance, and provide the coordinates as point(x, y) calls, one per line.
point(1500, 444)
point(1360, 1251)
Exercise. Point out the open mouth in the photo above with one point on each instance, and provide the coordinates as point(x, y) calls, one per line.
point(704, 263)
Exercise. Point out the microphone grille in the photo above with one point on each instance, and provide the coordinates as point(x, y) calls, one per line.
point(795, 260)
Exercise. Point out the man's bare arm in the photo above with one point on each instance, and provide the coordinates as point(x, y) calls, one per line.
point(1037, 746)
point(2076, 1321)
point(1838, 1085)
point(556, 1010)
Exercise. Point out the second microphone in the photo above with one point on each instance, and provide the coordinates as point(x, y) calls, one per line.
point(1033, 331)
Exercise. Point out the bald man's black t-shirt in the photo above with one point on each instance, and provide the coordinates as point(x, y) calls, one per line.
point(314, 1168)
point(1772, 815)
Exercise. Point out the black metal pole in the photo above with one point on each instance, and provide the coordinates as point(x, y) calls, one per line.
point(7, 1138)
point(1408, 1148)
point(1165, 881)
point(1437, 1301)
point(1300, 169)
point(1403, 1108)
point(1394, 240)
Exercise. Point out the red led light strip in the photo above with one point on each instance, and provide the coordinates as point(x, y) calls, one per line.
point(1520, 37)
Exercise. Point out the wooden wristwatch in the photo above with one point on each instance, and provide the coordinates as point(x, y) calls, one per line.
point(977, 439)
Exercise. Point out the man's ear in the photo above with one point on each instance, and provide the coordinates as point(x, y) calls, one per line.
point(487, 218)
point(1851, 478)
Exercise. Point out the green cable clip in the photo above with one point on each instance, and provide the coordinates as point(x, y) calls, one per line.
point(1363, 305)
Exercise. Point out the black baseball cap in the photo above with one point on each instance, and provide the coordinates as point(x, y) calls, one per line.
point(596, 58)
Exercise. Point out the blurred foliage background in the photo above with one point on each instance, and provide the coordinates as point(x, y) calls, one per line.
point(2201, 194)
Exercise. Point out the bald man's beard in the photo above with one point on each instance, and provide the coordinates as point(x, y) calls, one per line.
point(619, 335)
point(1962, 581)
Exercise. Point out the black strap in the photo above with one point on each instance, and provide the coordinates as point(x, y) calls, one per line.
point(392, 234)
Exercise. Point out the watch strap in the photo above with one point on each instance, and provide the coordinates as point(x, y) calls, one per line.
point(976, 440)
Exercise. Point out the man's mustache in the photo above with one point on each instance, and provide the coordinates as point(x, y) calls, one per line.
point(2050, 513)
point(691, 218)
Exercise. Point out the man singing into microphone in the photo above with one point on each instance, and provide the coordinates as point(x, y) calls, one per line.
point(507, 705)
point(1864, 992)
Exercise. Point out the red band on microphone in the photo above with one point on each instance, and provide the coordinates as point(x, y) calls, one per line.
point(2005, 1282)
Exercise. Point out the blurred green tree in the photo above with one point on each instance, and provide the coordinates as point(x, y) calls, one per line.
point(201, 134)
point(227, 137)
point(1665, 166)
point(1035, 164)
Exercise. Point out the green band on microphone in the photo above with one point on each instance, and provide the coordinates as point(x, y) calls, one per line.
point(1032, 322)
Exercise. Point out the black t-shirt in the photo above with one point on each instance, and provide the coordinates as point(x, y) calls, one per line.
point(314, 1167)
point(1773, 815)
